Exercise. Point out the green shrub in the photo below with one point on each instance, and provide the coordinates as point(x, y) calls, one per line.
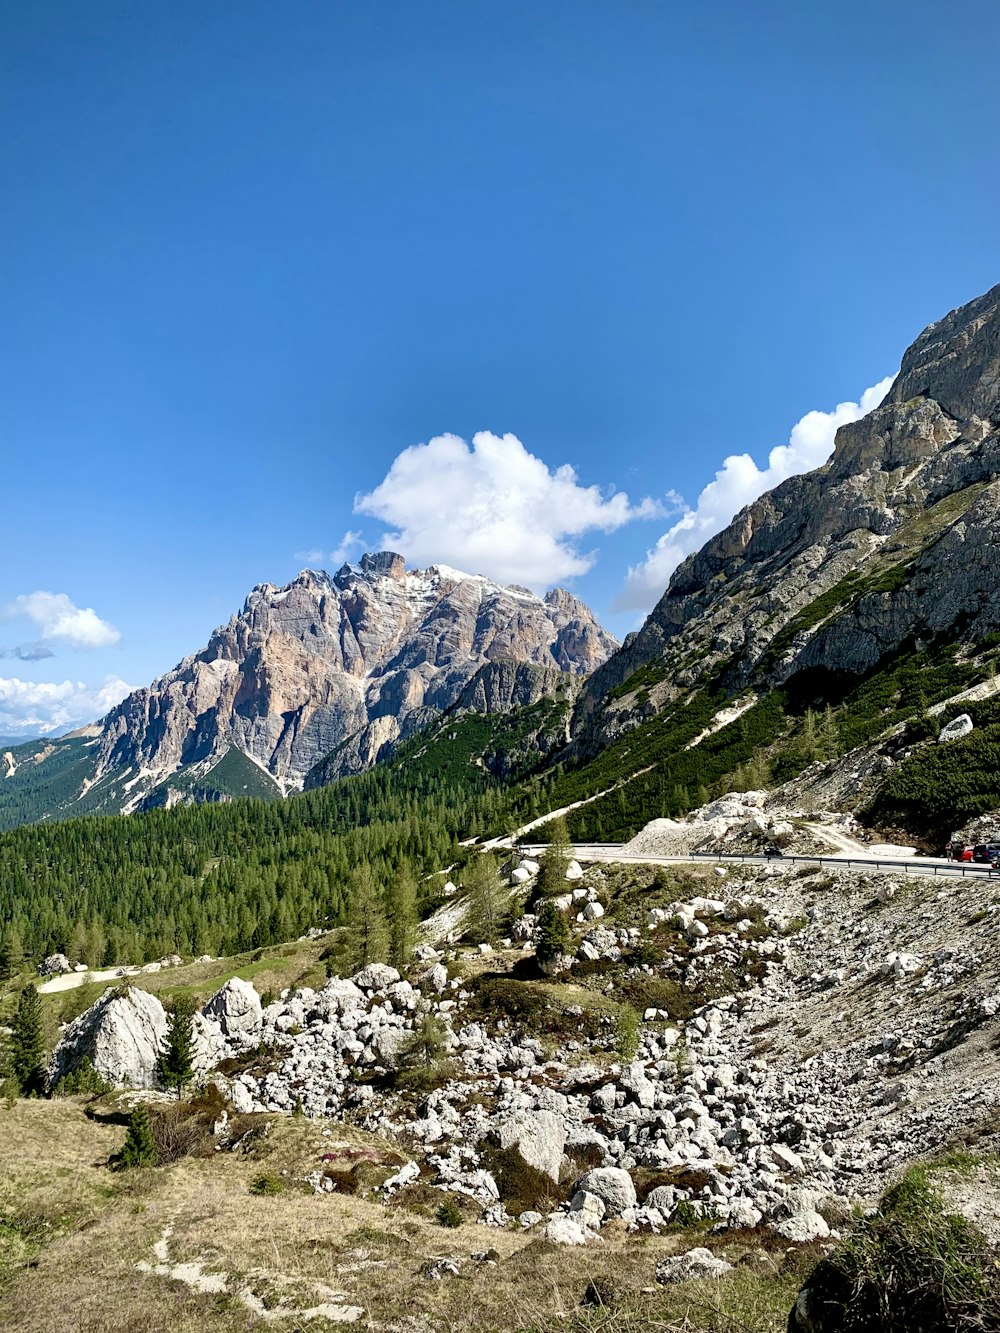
point(627, 1033)
point(83, 1079)
point(267, 1184)
point(910, 1266)
point(139, 1148)
point(924, 727)
point(449, 1214)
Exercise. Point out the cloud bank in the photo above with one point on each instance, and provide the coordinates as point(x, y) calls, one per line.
point(29, 707)
point(59, 621)
point(494, 508)
point(737, 483)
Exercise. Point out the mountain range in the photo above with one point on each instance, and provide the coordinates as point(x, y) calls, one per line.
point(832, 587)
point(312, 681)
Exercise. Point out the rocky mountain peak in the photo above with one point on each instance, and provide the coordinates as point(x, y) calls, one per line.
point(345, 665)
point(907, 511)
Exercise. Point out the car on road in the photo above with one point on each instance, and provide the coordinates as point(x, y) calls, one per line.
point(985, 852)
point(958, 851)
point(772, 850)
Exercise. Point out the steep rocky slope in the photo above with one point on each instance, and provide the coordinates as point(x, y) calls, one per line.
point(326, 674)
point(892, 542)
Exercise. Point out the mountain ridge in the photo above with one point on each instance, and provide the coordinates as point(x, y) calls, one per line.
point(322, 676)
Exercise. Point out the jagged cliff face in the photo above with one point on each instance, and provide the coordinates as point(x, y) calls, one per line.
point(339, 668)
point(899, 533)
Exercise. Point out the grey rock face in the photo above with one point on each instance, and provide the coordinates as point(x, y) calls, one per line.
point(120, 1034)
point(908, 506)
point(351, 662)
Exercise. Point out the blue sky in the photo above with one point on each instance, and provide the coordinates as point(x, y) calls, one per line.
point(252, 253)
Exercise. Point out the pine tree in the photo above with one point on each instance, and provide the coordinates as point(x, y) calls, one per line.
point(422, 1058)
point(369, 931)
point(140, 1147)
point(488, 899)
point(401, 907)
point(174, 1064)
point(553, 933)
point(11, 953)
point(554, 861)
point(27, 1044)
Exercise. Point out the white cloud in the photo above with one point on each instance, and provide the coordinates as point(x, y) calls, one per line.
point(493, 508)
point(737, 483)
point(318, 558)
point(29, 707)
point(59, 621)
point(348, 544)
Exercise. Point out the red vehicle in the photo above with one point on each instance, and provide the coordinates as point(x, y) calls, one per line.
point(959, 852)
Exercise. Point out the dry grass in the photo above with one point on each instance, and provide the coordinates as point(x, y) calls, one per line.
point(78, 1273)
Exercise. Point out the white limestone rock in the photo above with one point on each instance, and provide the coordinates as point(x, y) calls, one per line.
point(612, 1185)
point(121, 1034)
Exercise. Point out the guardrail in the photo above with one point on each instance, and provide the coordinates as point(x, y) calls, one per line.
point(910, 866)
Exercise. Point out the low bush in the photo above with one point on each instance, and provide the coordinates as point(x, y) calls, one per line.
point(266, 1184)
point(83, 1080)
point(522, 1187)
point(449, 1214)
point(910, 1266)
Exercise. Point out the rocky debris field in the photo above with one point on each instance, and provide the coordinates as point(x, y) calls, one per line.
point(805, 1035)
point(744, 823)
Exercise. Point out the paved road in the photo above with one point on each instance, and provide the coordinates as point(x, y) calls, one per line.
point(916, 865)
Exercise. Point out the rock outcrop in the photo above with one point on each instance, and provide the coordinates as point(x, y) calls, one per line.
point(121, 1035)
point(897, 532)
point(345, 666)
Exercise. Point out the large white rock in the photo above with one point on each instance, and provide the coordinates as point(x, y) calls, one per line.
point(236, 1009)
point(959, 726)
point(562, 1229)
point(695, 1263)
point(611, 1184)
point(375, 977)
point(574, 870)
point(587, 1208)
point(539, 1136)
point(337, 997)
point(120, 1034)
point(806, 1224)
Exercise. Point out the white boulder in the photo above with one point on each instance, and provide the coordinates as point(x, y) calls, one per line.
point(959, 726)
point(612, 1185)
point(120, 1034)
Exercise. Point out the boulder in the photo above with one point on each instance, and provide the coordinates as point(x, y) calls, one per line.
point(805, 1224)
point(959, 726)
point(337, 997)
point(697, 1263)
point(612, 1185)
point(236, 1009)
point(436, 977)
point(574, 870)
point(564, 1230)
point(587, 1208)
point(900, 964)
point(539, 1137)
point(375, 977)
point(56, 965)
point(120, 1034)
